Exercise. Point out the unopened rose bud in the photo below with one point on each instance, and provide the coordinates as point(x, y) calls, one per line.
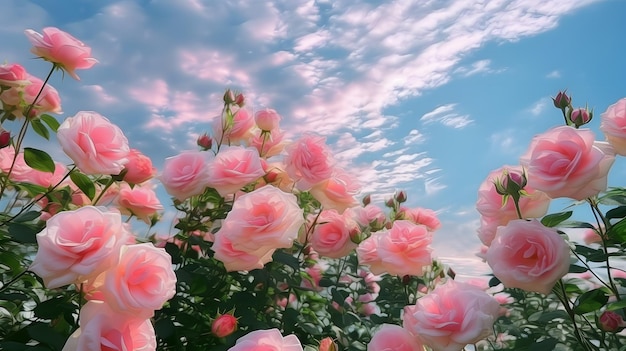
point(240, 100)
point(229, 97)
point(611, 322)
point(327, 344)
point(561, 100)
point(267, 119)
point(580, 116)
point(224, 325)
point(355, 235)
point(5, 139)
point(391, 203)
point(406, 280)
point(401, 196)
point(205, 142)
point(511, 183)
point(367, 200)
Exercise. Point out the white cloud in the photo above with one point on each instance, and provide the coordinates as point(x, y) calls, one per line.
point(539, 106)
point(554, 74)
point(445, 115)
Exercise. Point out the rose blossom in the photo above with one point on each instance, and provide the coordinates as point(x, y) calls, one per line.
point(140, 201)
point(367, 253)
point(267, 340)
point(267, 120)
point(331, 235)
point(241, 130)
point(308, 161)
point(77, 245)
point(141, 282)
point(613, 125)
point(259, 222)
point(224, 325)
point(568, 162)
point(13, 75)
point(233, 168)
point(139, 168)
point(96, 145)
point(405, 248)
point(611, 321)
point(327, 344)
point(392, 337)
point(103, 329)
point(528, 255)
point(269, 145)
point(186, 174)
point(453, 315)
point(370, 215)
point(423, 216)
point(337, 192)
point(62, 49)
point(20, 98)
point(533, 205)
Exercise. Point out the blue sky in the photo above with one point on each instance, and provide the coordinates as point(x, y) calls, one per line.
point(426, 96)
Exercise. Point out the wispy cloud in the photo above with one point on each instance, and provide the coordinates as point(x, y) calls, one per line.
point(554, 74)
point(539, 106)
point(445, 115)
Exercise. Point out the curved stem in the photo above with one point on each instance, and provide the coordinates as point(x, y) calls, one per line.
point(13, 280)
point(561, 294)
point(603, 222)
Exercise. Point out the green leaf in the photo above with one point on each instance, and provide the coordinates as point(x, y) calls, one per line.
point(39, 160)
point(577, 269)
point(618, 305)
point(554, 219)
point(40, 129)
point(617, 231)
point(494, 282)
point(45, 334)
point(592, 255)
point(617, 212)
point(50, 121)
point(286, 259)
point(83, 183)
point(590, 301)
point(27, 216)
point(24, 233)
point(544, 345)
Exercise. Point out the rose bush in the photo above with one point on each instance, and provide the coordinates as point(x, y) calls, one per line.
point(272, 231)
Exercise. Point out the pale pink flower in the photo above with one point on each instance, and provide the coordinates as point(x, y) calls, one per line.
point(18, 99)
point(78, 245)
point(529, 256)
point(405, 248)
point(613, 125)
point(267, 120)
point(568, 162)
point(141, 282)
point(186, 174)
point(591, 236)
point(369, 216)
point(240, 132)
point(269, 145)
point(423, 216)
point(103, 329)
point(62, 49)
point(13, 75)
point(235, 259)
point(487, 230)
point(233, 168)
point(337, 192)
point(139, 168)
point(451, 316)
point(331, 235)
point(259, 223)
point(140, 201)
point(367, 253)
point(309, 161)
point(267, 340)
point(390, 337)
point(327, 344)
point(96, 145)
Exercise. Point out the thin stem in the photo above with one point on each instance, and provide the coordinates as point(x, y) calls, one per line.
point(566, 303)
point(602, 221)
point(10, 282)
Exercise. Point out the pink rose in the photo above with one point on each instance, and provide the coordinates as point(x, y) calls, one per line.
point(331, 236)
point(78, 245)
point(235, 259)
point(259, 223)
point(423, 216)
point(337, 192)
point(13, 75)
point(103, 329)
point(453, 315)
point(528, 255)
point(370, 215)
point(224, 325)
point(269, 145)
point(239, 133)
point(613, 125)
point(141, 282)
point(62, 49)
point(233, 168)
point(139, 168)
point(568, 162)
point(533, 205)
point(186, 174)
point(96, 145)
point(327, 344)
point(393, 338)
point(267, 340)
point(267, 120)
point(140, 201)
point(308, 161)
point(367, 253)
point(487, 229)
point(18, 99)
point(611, 321)
point(405, 248)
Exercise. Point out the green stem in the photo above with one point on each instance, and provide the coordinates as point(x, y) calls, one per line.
point(560, 292)
point(10, 282)
point(602, 221)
